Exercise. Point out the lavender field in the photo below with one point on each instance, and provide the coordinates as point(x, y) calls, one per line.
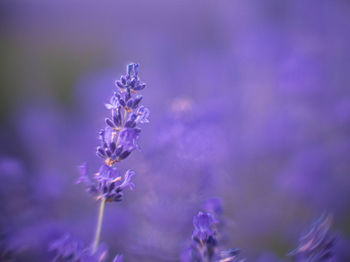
point(192, 131)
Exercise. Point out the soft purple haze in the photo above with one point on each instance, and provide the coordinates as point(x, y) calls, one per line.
point(249, 101)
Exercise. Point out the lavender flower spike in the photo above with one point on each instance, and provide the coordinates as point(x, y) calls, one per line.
point(204, 245)
point(118, 139)
point(317, 244)
point(203, 227)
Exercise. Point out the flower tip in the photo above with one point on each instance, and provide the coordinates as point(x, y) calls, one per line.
point(132, 69)
point(127, 180)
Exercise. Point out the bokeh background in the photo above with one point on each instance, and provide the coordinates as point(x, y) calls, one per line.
point(249, 100)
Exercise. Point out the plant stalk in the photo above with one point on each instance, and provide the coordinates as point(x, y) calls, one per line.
point(99, 225)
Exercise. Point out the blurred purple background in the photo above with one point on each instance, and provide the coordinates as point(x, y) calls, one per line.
point(249, 100)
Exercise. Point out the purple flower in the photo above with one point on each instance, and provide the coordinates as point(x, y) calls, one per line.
point(119, 138)
point(317, 244)
point(113, 103)
point(127, 180)
point(204, 245)
point(142, 115)
point(203, 226)
point(107, 172)
point(204, 241)
point(128, 138)
point(130, 81)
point(107, 183)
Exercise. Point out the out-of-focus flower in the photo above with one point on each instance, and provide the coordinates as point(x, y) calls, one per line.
point(204, 227)
point(71, 250)
point(317, 245)
point(204, 242)
point(230, 255)
point(204, 246)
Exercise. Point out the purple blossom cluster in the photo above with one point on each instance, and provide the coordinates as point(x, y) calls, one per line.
point(118, 139)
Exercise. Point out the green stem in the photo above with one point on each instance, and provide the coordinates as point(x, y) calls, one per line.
point(99, 225)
